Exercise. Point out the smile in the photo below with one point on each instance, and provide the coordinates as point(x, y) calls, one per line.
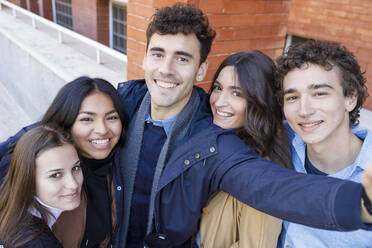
point(310, 124)
point(99, 141)
point(71, 196)
point(223, 114)
point(166, 84)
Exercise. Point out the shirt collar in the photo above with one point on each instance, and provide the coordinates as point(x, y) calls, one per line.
point(361, 160)
point(166, 124)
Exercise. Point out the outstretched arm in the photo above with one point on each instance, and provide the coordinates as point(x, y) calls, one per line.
point(367, 184)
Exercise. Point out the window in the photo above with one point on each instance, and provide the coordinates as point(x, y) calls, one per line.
point(119, 26)
point(63, 13)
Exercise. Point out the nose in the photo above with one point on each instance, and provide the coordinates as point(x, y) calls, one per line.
point(100, 127)
point(166, 66)
point(306, 107)
point(221, 100)
point(71, 181)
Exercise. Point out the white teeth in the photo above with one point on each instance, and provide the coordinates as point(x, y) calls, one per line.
point(310, 124)
point(164, 84)
point(100, 141)
point(224, 114)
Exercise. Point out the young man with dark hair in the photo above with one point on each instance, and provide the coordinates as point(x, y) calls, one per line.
point(322, 92)
point(175, 158)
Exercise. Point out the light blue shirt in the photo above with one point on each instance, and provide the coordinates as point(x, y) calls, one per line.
point(166, 124)
point(299, 236)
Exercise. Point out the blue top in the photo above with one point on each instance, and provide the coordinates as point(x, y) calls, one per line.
point(295, 235)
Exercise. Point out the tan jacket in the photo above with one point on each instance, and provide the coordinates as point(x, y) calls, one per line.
point(227, 222)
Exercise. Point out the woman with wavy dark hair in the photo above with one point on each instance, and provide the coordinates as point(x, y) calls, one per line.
point(44, 179)
point(242, 96)
point(92, 111)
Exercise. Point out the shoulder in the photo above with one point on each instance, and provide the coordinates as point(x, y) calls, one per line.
point(132, 93)
point(45, 240)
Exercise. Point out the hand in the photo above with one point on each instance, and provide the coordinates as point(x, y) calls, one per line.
point(367, 184)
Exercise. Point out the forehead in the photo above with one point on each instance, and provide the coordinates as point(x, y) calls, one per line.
point(56, 157)
point(172, 43)
point(311, 74)
point(96, 99)
point(228, 76)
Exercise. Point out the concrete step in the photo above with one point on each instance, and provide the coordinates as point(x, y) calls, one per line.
point(12, 117)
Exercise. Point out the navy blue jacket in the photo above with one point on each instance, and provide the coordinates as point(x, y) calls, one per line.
point(211, 159)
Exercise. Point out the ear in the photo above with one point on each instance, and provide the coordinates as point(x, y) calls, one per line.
point(202, 71)
point(351, 102)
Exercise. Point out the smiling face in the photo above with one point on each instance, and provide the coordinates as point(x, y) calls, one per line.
point(171, 65)
point(315, 106)
point(97, 127)
point(59, 177)
point(227, 100)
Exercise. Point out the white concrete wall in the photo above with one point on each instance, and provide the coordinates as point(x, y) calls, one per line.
point(31, 83)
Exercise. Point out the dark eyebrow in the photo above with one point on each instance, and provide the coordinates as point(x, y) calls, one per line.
point(159, 49)
point(184, 54)
point(56, 170)
point(289, 91)
point(310, 87)
point(111, 112)
point(86, 112)
point(319, 86)
point(92, 113)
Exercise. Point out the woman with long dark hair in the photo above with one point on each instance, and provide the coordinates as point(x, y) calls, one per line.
point(242, 96)
point(44, 179)
point(92, 111)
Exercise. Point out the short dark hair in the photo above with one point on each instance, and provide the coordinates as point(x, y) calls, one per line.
point(186, 19)
point(66, 105)
point(327, 55)
point(263, 130)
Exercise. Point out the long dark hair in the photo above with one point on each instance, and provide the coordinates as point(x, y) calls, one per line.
point(66, 105)
point(17, 225)
point(263, 128)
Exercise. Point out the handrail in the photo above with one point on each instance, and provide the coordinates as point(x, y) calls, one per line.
point(62, 30)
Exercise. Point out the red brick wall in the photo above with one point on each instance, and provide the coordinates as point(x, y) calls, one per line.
point(345, 22)
point(91, 18)
point(240, 25)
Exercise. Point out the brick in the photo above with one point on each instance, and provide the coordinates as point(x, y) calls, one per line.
point(205, 86)
point(275, 7)
point(363, 54)
point(250, 32)
point(137, 21)
point(214, 61)
point(137, 46)
point(136, 34)
point(138, 9)
point(145, 2)
point(234, 20)
point(136, 70)
point(135, 57)
point(162, 3)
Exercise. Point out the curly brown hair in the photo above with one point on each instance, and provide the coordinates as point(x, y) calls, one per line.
point(186, 19)
point(326, 55)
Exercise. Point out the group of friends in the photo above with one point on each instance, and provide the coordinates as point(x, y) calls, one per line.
point(272, 156)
